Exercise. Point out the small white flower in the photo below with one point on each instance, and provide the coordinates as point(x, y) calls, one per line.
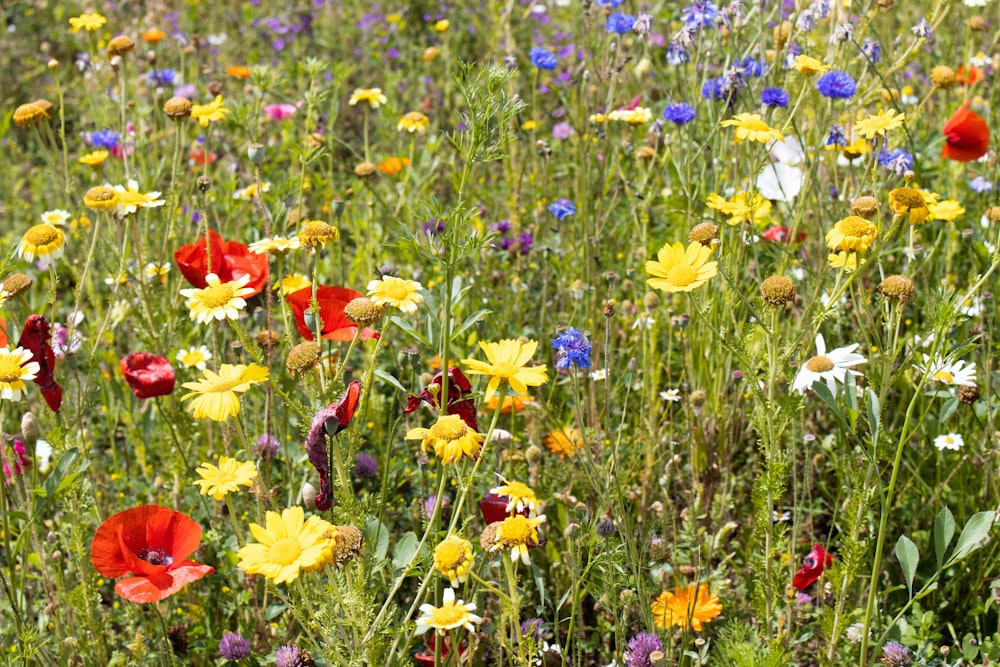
point(855, 632)
point(780, 181)
point(56, 217)
point(952, 441)
point(831, 367)
point(671, 395)
point(981, 60)
point(643, 321)
point(599, 374)
point(43, 454)
point(961, 373)
point(195, 357)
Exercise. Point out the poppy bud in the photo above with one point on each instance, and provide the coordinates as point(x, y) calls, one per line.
point(149, 375)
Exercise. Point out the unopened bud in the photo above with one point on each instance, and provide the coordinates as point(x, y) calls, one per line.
point(29, 430)
point(309, 494)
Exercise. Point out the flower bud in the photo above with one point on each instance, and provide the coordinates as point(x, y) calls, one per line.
point(29, 430)
point(256, 153)
point(777, 290)
point(309, 494)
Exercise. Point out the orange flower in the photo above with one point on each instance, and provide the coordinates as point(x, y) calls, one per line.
point(510, 403)
point(969, 76)
point(239, 71)
point(692, 606)
point(565, 442)
point(393, 165)
point(153, 35)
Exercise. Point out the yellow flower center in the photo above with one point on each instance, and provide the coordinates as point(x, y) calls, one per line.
point(224, 477)
point(820, 364)
point(504, 370)
point(449, 429)
point(217, 296)
point(682, 275)
point(284, 552)
point(42, 235)
point(396, 291)
point(449, 555)
point(10, 369)
point(855, 226)
point(944, 376)
point(515, 530)
point(447, 616)
point(193, 358)
point(224, 386)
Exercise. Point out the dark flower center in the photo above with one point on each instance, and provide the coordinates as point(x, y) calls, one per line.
point(156, 556)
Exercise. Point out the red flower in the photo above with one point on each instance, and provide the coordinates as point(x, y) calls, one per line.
point(970, 75)
point(781, 234)
point(230, 260)
point(329, 422)
point(331, 302)
point(149, 375)
point(967, 135)
point(35, 337)
point(198, 156)
point(427, 657)
point(812, 566)
point(151, 542)
point(459, 401)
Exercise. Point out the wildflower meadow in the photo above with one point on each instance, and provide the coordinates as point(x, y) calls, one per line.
point(632, 333)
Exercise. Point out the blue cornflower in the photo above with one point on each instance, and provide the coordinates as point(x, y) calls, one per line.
point(980, 185)
point(753, 67)
point(701, 13)
point(572, 347)
point(837, 85)
point(873, 50)
point(542, 58)
point(836, 136)
point(712, 89)
point(774, 97)
point(897, 160)
point(106, 139)
point(562, 208)
point(620, 23)
point(161, 78)
point(525, 242)
point(610, 4)
point(679, 113)
point(677, 54)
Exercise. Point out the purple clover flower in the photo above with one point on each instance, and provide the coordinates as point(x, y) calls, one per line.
point(640, 648)
point(365, 466)
point(234, 647)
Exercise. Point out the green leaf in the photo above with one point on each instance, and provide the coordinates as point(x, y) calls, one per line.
point(405, 549)
point(409, 330)
point(908, 557)
point(944, 530)
point(390, 380)
point(470, 321)
point(948, 409)
point(373, 528)
point(874, 412)
point(974, 535)
point(821, 390)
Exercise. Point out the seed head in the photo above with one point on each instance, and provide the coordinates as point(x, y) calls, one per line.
point(365, 169)
point(777, 290)
point(16, 284)
point(177, 108)
point(704, 233)
point(897, 288)
point(364, 311)
point(865, 206)
point(943, 76)
point(120, 45)
point(302, 357)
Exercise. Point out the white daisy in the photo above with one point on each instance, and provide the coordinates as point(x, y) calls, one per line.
point(57, 217)
point(949, 441)
point(959, 373)
point(831, 367)
point(195, 357)
point(671, 395)
point(599, 374)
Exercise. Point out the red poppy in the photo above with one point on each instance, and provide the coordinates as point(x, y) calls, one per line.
point(230, 260)
point(152, 543)
point(3, 332)
point(427, 657)
point(331, 302)
point(459, 397)
point(781, 234)
point(970, 75)
point(35, 337)
point(198, 156)
point(967, 135)
point(812, 567)
point(329, 422)
point(149, 375)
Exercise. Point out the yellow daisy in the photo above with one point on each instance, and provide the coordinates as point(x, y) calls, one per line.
point(946, 210)
point(450, 438)
point(636, 116)
point(287, 544)
point(373, 96)
point(228, 476)
point(680, 270)
point(16, 366)
point(516, 533)
point(215, 396)
point(853, 233)
point(748, 206)
point(751, 126)
point(808, 66)
point(453, 558)
point(101, 198)
point(218, 300)
point(276, 245)
point(413, 122)
point(94, 158)
point(450, 615)
point(520, 497)
point(129, 199)
point(903, 201)
point(43, 242)
point(507, 364)
point(211, 112)
point(292, 283)
point(848, 261)
point(89, 22)
point(879, 124)
point(195, 357)
point(397, 292)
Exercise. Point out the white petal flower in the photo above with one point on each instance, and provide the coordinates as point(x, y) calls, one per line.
point(830, 367)
point(949, 441)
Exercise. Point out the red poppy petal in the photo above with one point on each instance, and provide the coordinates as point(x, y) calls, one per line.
point(106, 551)
point(174, 532)
point(967, 135)
point(160, 586)
point(803, 579)
point(331, 301)
point(239, 261)
point(193, 260)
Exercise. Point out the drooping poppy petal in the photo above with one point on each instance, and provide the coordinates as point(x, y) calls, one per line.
point(331, 300)
point(967, 136)
point(230, 260)
point(459, 403)
point(151, 542)
point(329, 422)
point(149, 375)
point(35, 337)
point(812, 567)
